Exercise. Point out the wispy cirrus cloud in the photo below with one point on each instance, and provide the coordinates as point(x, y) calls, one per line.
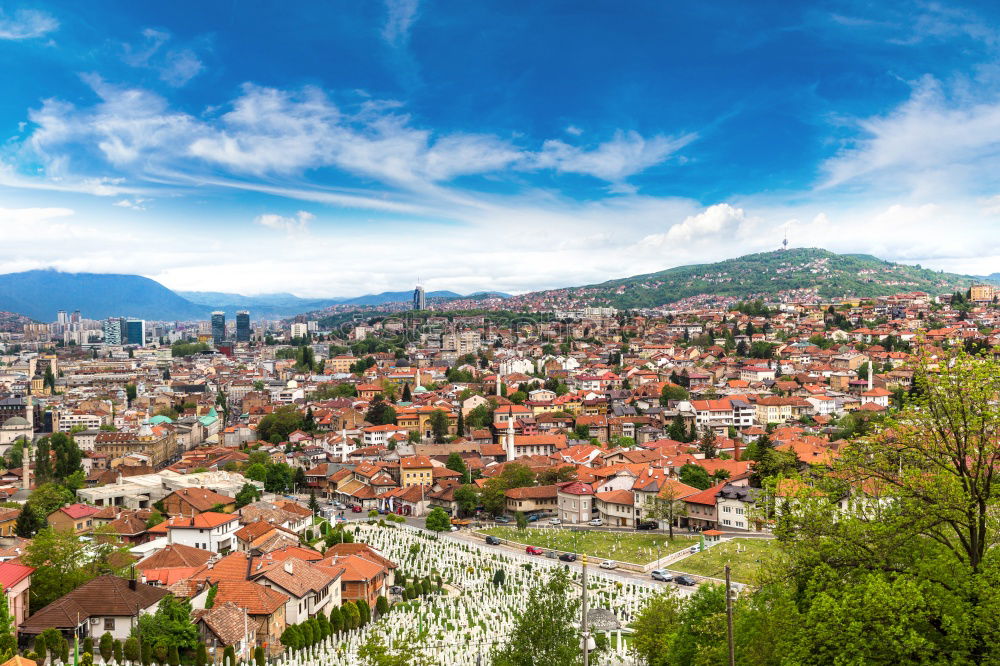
point(26, 24)
point(400, 16)
point(175, 65)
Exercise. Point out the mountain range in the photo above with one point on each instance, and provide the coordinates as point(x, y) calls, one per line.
point(40, 294)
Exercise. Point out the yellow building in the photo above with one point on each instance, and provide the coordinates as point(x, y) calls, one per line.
point(982, 292)
point(416, 471)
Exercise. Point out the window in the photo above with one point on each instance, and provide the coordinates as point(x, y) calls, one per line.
point(109, 624)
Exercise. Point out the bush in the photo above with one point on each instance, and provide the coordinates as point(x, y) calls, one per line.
point(381, 605)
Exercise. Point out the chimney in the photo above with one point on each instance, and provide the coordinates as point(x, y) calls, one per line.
point(289, 569)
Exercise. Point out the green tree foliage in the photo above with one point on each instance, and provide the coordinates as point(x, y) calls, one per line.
point(63, 562)
point(467, 498)
point(336, 620)
point(249, 493)
point(456, 464)
point(480, 416)
point(514, 475)
point(182, 349)
point(381, 605)
point(554, 642)
point(439, 423)
point(210, 598)
point(672, 392)
point(280, 423)
point(106, 646)
point(437, 520)
point(378, 650)
point(131, 649)
point(171, 625)
point(68, 455)
point(8, 642)
point(695, 476)
point(379, 412)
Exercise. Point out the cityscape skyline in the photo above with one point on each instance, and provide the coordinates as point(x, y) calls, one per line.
point(593, 141)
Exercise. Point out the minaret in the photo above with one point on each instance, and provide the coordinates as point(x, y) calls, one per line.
point(26, 451)
point(343, 445)
point(870, 384)
point(416, 380)
point(510, 437)
point(498, 382)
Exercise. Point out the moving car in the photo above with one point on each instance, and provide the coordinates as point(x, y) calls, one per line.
point(609, 564)
point(646, 525)
point(534, 550)
point(492, 540)
point(568, 557)
point(660, 574)
point(597, 522)
point(555, 521)
point(684, 580)
point(502, 519)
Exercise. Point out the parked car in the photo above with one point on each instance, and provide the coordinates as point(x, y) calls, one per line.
point(684, 580)
point(693, 549)
point(356, 508)
point(493, 541)
point(568, 557)
point(551, 554)
point(397, 589)
point(534, 550)
point(502, 519)
point(646, 525)
point(660, 574)
point(555, 521)
point(609, 564)
point(597, 522)
point(533, 518)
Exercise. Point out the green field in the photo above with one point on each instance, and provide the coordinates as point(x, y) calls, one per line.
point(744, 565)
point(634, 547)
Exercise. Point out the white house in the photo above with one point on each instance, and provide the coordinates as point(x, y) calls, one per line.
point(209, 531)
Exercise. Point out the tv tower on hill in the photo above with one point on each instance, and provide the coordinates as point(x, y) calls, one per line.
point(784, 243)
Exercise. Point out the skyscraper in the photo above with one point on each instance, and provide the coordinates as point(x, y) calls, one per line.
point(113, 332)
point(135, 332)
point(242, 326)
point(218, 327)
point(419, 299)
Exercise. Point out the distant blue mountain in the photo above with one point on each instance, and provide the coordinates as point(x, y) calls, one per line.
point(41, 294)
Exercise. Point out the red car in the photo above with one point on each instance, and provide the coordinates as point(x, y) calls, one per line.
point(356, 508)
point(534, 550)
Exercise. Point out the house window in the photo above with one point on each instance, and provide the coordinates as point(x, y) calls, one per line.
point(109, 624)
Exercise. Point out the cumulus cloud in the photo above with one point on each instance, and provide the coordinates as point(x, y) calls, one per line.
point(717, 223)
point(26, 24)
point(132, 204)
point(290, 225)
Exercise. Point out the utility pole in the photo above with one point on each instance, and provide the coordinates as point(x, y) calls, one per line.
point(729, 620)
point(585, 632)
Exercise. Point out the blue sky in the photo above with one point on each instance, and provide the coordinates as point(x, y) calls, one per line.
point(341, 148)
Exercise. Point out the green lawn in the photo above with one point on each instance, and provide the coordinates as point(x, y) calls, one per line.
point(744, 565)
point(635, 547)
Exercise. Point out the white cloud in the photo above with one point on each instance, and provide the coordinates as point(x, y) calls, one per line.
point(26, 24)
point(573, 130)
point(175, 66)
point(400, 15)
point(717, 223)
point(291, 225)
point(132, 204)
point(627, 154)
point(936, 141)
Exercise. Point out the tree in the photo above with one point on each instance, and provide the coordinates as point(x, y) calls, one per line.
point(249, 493)
point(672, 392)
point(520, 520)
point(117, 651)
point(8, 643)
point(480, 416)
point(456, 464)
point(63, 563)
point(280, 423)
point(380, 413)
point(106, 646)
point(375, 651)
point(706, 445)
point(130, 393)
point(407, 396)
point(28, 523)
point(67, 454)
point(467, 498)
point(352, 615)
point(170, 624)
point(365, 611)
point(313, 503)
point(437, 520)
point(146, 653)
point(514, 475)
point(554, 642)
point(695, 476)
point(41, 648)
point(439, 422)
point(131, 650)
point(43, 461)
point(210, 598)
point(667, 505)
point(336, 620)
point(381, 605)
point(258, 656)
point(655, 626)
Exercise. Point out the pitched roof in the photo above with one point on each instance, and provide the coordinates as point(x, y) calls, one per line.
point(104, 595)
point(12, 573)
point(225, 620)
point(617, 497)
point(77, 511)
point(201, 499)
point(294, 575)
point(175, 555)
point(256, 599)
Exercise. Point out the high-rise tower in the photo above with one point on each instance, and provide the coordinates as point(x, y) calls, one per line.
point(218, 327)
point(243, 326)
point(419, 299)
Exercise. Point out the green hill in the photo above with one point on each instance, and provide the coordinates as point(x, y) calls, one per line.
point(766, 274)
